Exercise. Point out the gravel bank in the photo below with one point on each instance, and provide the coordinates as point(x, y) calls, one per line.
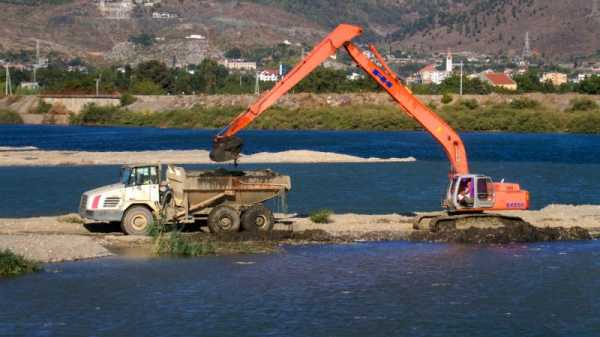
point(53, 247)
point(55, 158)
point(52, 239)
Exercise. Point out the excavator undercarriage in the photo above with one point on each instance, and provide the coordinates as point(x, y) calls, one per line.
point(444, 221)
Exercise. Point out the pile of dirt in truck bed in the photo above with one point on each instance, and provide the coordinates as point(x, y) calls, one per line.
point(520, 232)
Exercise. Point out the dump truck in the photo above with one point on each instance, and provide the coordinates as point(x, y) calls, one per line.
point(230, 200)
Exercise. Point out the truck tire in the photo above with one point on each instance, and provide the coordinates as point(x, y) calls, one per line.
point(224, 218)
point(137, 221)
point(258, 218)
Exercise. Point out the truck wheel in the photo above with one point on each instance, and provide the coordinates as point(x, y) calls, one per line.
point(137, 221)
point(258, 218)
point(223, 218)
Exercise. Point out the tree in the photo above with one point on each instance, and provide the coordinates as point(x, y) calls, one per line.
point(154, 71)
point(146, 87)
point(234, 53)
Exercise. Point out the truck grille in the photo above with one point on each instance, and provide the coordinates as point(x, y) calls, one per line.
point(111, 202)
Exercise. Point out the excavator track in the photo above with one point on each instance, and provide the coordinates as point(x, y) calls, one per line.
point(447, 222)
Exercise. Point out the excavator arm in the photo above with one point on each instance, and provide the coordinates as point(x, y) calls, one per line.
point(429, 120)
point(226, 146)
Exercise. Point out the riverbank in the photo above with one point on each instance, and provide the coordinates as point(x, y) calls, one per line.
point(532, 112)
point(67, 238)
point(34, 157)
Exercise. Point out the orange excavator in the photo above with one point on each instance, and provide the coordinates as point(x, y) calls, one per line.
point(468, 195)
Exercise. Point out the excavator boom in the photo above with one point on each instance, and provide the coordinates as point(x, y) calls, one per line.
point(226, 146)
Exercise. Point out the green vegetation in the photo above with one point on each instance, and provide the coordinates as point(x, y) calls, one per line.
point(524, 103)
point(321, 216)
point(143, 39)
point(42, 107)
point(10, 117)
point(520, 115)
point(14, 265)
point(583, 104)
point(447, 99)
point(127, 99)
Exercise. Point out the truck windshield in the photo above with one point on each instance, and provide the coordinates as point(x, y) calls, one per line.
point(125, 175)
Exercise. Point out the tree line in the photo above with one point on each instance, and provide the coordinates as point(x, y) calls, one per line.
point(209, 77)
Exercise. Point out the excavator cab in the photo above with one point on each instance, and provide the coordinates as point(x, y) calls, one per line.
point(470, 192)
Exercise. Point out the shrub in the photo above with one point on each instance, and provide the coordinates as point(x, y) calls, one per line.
point(42, 107)
point(582, 104)
point(14, 265)
point(470, 104)
point(447, 99)
point(71, 218)
point(174, 244)
point(524, 103)
point(127, 99)
point(10, 117)
point(321, 216)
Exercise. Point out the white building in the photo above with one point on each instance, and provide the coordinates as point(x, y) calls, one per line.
point(268, 75)
point(238, 64)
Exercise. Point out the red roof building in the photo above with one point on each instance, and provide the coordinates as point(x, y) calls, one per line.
point(501, 80)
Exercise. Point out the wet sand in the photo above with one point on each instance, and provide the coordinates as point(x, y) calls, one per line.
point(52, 239)
point(29, 157)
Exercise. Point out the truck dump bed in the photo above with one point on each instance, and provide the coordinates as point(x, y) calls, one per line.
point(199, 190)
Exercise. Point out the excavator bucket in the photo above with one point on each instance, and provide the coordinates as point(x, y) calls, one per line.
point(226, 149)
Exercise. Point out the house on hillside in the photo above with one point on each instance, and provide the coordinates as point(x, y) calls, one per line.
point(500, 80)
point(268, 75)
point(555, 78)
point(238, 64)
point(429, 74)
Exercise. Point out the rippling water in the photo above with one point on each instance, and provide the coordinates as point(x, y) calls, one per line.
point(555, 168)
point(367, 289)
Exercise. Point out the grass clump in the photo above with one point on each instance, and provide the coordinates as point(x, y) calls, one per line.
point(72, 218)
point(470, 104)
point(127, 99)
point(524, 103)
point(42, 107)
point(582, 104)
point(169, 241)
point(447, 99)
point(10, 117)
point(14, 265)
point(321, 216)
point(175, 244)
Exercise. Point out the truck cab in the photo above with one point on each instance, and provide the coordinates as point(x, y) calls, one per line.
point(138, 188)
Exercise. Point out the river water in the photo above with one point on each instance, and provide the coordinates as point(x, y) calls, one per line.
point(554, 168)
point(362, 289)
point(365, 289)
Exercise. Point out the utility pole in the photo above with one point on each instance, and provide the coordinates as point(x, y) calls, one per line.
point(98, 85)
point(7, 83)
point(257, 85)
point(461, 78)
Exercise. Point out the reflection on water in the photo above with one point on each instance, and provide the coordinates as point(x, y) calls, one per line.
point(382, 289)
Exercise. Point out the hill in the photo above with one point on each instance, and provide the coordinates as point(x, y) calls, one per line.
point(559, 30)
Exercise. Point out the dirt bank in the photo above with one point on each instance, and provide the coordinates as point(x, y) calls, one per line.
point(51, 239)
point(22, 157)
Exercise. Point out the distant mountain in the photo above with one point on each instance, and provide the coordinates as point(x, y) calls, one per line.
point(559, 29)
